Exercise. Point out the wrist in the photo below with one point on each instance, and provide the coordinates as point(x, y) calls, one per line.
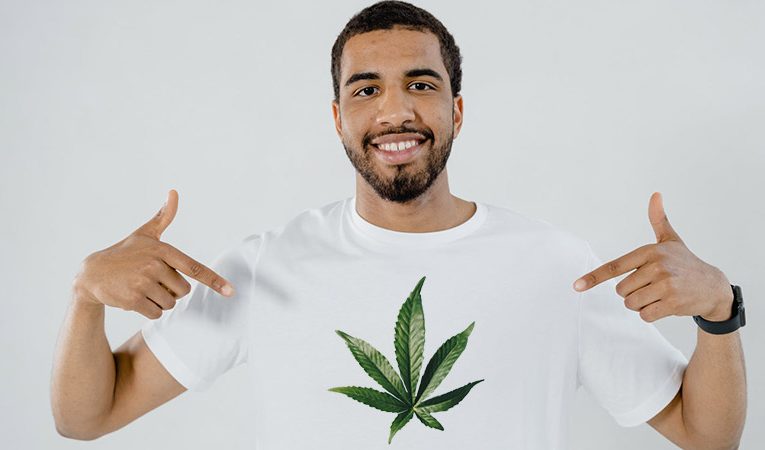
point(724, 311)
point(81, 296)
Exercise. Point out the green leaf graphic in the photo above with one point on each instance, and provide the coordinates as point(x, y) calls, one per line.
point(376, 399)
point(441, 363)
point(376, 365)
point(446, 401)
point(409, 339)
point(399, 422)
point(409, 343)
point(427, 419)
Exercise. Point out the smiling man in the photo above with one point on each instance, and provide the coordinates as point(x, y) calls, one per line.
point(397, 110)
point(279, 299)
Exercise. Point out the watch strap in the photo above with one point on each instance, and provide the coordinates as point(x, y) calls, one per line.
point(736, 321)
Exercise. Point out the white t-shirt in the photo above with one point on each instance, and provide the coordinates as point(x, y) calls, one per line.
point(534, 340)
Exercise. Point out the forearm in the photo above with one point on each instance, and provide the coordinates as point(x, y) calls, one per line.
point(714, 391)
point(83, 375)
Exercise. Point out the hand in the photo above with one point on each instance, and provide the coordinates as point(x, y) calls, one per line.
point(670, 280)
point(139, 272)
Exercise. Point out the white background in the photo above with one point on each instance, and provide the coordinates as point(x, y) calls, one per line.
point(575, 112)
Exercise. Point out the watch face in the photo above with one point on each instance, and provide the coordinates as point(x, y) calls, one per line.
point(737, 295)
point(738, 299)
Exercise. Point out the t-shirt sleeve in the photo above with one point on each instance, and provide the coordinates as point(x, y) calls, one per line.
point(624, 362)
point(206, 334)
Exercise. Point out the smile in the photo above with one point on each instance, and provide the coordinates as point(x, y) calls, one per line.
point(398, 152)
point(397, 146)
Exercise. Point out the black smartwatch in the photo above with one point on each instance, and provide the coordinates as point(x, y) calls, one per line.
point(736, 321)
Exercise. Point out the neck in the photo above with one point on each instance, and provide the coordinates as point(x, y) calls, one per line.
point(435, 210)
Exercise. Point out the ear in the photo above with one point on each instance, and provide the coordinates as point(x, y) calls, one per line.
point(457, 115)
point(336, 117)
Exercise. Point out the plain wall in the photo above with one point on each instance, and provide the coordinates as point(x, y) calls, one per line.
point(575, 112)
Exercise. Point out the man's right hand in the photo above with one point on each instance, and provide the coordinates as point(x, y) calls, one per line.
point(140, 273)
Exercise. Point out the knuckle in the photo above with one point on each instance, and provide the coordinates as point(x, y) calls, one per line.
point(138, 284)
point(613, 267)
point(161, 248)
point(133, 302)
point(146, 266)
point(195, 269)
point(157, 265)
point(146, 283)
point(647, 315)
point(216, 282)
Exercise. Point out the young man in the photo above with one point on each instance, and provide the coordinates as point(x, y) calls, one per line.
point(495, 286)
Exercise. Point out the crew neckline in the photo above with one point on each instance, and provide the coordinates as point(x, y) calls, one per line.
point(387, 238)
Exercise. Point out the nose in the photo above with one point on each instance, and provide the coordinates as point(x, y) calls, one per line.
point(395, 108)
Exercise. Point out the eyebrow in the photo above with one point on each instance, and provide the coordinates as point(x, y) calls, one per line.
point(409, 74)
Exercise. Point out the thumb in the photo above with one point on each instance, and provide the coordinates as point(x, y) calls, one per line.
point(159, 223)
point(659, 221)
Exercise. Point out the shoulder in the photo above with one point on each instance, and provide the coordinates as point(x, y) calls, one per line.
point(309, 226)
point(542, 234)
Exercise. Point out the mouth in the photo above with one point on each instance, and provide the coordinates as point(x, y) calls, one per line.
point(400, 152)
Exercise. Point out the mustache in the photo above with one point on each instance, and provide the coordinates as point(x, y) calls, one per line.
point(397, 130)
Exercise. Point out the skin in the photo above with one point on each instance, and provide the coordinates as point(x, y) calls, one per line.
point(411, 197)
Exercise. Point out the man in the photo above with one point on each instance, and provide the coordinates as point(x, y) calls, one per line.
point(495, 286)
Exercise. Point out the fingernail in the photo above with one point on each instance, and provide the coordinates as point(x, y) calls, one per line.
point(227, 290)
point(579, 285)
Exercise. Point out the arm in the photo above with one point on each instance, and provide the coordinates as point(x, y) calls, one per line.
point(95, 392)
point(82, 379)
point(710, 409)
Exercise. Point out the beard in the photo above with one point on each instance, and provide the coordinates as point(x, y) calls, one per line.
point(405, 185)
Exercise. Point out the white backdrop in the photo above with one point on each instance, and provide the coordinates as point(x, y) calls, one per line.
point(575, 112)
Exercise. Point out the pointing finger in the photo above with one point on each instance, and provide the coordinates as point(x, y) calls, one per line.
point(196, 270)
point(614, 268)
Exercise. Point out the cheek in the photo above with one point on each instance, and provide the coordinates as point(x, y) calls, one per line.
point(353, 122)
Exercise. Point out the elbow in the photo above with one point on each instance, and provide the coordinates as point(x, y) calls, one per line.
point(712, 444)
point(70, 432)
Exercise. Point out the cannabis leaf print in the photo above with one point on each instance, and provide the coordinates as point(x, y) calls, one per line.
point(409, 342)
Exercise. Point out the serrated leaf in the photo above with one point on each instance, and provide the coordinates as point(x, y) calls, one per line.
point(409, 340)
point(409, 343)
point(446, 401)
point(399, 423)
point(376, 365)
point(442, 361)
point(376, 399)
point(427, 419)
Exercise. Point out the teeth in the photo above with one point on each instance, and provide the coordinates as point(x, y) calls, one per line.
point(397, 146)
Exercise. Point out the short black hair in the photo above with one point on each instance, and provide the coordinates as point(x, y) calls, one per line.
point(385, 15)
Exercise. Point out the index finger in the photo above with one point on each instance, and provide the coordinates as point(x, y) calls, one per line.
point(196, 270)
point(613, 268)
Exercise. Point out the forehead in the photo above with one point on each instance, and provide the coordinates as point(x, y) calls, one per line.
point(383, 50)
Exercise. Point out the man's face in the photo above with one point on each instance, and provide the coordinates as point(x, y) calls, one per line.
point(395, 92)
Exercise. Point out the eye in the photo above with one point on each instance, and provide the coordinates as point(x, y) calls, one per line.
point(420, 86)
point(367, 91)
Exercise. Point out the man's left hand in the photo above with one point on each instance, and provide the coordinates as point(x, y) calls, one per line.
point(670, 279)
